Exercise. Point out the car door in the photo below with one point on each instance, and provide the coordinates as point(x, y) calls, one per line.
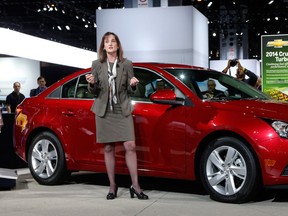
point(160, 129)
point(79, 122)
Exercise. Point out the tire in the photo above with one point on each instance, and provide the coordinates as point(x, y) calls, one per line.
point(46, 159)
point(228, 171)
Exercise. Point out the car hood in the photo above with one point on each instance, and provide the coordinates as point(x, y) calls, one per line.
point(271, 109)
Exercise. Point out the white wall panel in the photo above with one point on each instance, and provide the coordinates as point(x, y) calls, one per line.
point(14, 43)
point(162, 34)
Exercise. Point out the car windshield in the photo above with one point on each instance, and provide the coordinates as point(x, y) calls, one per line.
point(225, 86)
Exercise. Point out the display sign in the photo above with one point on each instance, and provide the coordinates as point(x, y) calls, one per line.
point(142, 3)
point(275, 66)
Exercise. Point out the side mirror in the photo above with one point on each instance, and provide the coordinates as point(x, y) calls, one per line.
point(166, 96)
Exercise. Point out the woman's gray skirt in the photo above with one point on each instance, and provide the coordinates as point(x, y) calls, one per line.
point(114, 127)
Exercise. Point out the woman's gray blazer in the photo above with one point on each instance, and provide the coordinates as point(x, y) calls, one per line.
point(101, 87)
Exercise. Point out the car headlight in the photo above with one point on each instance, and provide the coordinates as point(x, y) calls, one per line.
point(281, 128)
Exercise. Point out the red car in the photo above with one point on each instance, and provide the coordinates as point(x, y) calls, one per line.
point(233, 142)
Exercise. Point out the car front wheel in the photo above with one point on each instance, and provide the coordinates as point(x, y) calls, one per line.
point(46, 159)
point(228, 171)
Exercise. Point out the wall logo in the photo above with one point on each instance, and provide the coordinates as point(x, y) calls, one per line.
point(277, 43)
point(142, 3)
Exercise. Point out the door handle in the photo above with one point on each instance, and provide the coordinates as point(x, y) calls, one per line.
point(68, 113)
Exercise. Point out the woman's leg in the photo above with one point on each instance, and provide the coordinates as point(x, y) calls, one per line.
point(109, 155)
point(131, 161)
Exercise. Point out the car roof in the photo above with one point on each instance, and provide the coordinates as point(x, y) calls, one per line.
point(166, 65)
point(151, 65)
point(154, 65)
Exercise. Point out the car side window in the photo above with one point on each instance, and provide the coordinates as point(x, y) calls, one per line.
point(149, 82)
point(76, 88)
point(82, 89)
point(68, 89)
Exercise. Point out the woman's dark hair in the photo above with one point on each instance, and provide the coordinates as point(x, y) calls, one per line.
point(102, 55)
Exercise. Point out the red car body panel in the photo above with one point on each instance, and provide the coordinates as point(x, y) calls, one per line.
point(168, 137)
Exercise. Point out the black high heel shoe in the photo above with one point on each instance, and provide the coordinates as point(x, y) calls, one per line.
point(111, 195)
point(140, 195)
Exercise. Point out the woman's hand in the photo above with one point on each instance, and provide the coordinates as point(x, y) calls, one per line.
point(90, 78)
point(134, 81)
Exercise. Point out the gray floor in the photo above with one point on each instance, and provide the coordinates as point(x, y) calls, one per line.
point(85, 195)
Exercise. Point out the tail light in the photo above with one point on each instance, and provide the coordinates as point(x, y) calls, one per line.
point(19, 109)
point(21, 119)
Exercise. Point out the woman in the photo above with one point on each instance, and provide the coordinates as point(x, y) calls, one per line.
point(111, 81)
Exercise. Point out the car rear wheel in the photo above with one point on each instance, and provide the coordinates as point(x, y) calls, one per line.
point(228, 171)
point(46, 159)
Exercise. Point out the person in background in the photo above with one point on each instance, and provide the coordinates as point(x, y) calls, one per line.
point(212, 91)
point(14, 98)
point(259, 84)
point(241, 72)
point(1, 119)
point(41, 86)
point(112, 80)
point(160, 85)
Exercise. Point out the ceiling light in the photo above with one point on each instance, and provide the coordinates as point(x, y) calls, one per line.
point(209, 4)
point(271, 2)
point(59, 27)
point(67, 27)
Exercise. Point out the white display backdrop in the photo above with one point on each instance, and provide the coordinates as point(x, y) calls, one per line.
point(251, 64)
point(15, 43)
point(21, 70)
point(159, 34)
